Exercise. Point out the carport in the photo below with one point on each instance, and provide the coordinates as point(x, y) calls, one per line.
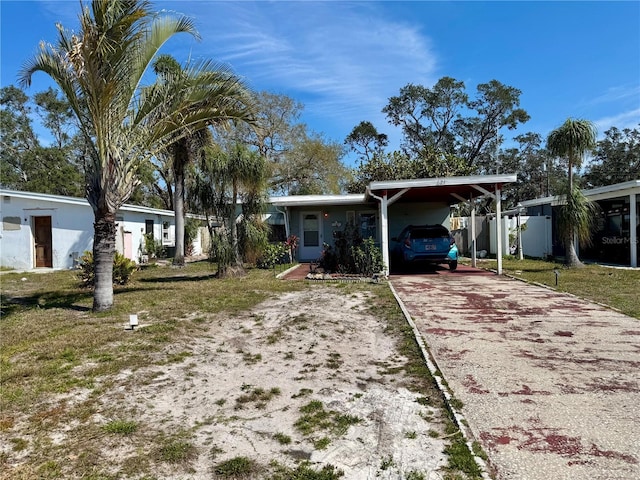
point(451, 190)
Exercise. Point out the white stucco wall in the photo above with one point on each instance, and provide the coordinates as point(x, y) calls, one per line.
point(71, 228)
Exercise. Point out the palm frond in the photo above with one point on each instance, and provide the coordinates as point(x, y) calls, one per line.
point(577, 216)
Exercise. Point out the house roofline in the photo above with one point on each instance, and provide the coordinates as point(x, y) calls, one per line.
point(82, 202)
point(600, 193)
point(318, 200)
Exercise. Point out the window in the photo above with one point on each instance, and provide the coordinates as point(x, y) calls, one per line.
point(351, 218)
point(148, 227)
point(166, 239)
point(368, 225)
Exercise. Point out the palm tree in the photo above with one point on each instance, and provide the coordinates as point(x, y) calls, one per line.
point(572, 140)
point(227, 175)
point(225, 95)
point(99, 71)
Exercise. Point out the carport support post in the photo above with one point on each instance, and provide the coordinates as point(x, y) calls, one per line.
point(499, 228)
point(384, 224)
point(633, 229)
point(473, 233)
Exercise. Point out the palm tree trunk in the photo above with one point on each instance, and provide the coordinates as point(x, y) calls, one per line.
point(571, 257)
point(179, 161)
point(104, 247)
point(237, 262)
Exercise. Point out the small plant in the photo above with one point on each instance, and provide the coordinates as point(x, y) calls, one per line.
point(123, 268)
point(315, 417)
point(275, 336)
point(460, 458)
point(257, 395)
point(176, 450)
point(411, 435)
point(433, 433)
point(282, 438)
point(121, 427)
point(302, 393)
point(236, 467)
point(414, 475)
point(334, 362)
point(305, 472)
point(322, 443)
point(386, 463)
point(251, 359)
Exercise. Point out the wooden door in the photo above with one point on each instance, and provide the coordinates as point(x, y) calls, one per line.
point(42, 234)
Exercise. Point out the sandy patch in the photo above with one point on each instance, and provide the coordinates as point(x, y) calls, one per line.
point(314, 345)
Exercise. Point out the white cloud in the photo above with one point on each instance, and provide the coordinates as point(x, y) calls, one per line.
point(342, 60)
point(617, 94)
point(628, 119)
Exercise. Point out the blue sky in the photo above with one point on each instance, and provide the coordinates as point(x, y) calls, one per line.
point(343, 60)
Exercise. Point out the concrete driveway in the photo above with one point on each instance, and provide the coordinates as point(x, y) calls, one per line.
point(550, 383)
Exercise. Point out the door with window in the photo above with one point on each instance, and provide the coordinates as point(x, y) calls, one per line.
point(42, 241)
point(311, 241)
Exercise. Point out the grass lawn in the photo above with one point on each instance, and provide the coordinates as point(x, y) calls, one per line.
point(617, 287)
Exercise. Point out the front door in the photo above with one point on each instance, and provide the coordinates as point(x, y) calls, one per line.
point(311, 241)
point(42, 237)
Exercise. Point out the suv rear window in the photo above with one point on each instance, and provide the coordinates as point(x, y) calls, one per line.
point(435, 232)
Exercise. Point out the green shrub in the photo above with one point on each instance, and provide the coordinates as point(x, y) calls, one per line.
point(272, 255)
point(351, 254)
point(191, 226)
point(367, 258)
point(123, 268)
point(153, 247)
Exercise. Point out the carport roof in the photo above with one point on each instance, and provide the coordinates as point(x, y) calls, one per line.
point(445, 189)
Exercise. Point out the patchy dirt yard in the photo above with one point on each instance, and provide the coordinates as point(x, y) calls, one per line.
point(309, 376)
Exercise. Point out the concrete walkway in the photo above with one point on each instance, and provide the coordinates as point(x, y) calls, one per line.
point(550, 383)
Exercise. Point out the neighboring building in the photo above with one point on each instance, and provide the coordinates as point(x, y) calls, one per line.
point(51, 231)
point(616, 233)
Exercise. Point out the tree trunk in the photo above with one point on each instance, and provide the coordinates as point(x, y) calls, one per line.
point(179, 161)
point(104, 248)
point(235, 245)
point(571, 257)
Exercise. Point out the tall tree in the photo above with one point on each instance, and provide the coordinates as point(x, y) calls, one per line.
point(226, 95)
point(227, 176)
point(299, 160)
point(313, 166)
point(616, 158)
point(366, 141)
point(56, 115)
point(100, 71)
point(442, 122)
point(26, 163)
point(572, 140)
